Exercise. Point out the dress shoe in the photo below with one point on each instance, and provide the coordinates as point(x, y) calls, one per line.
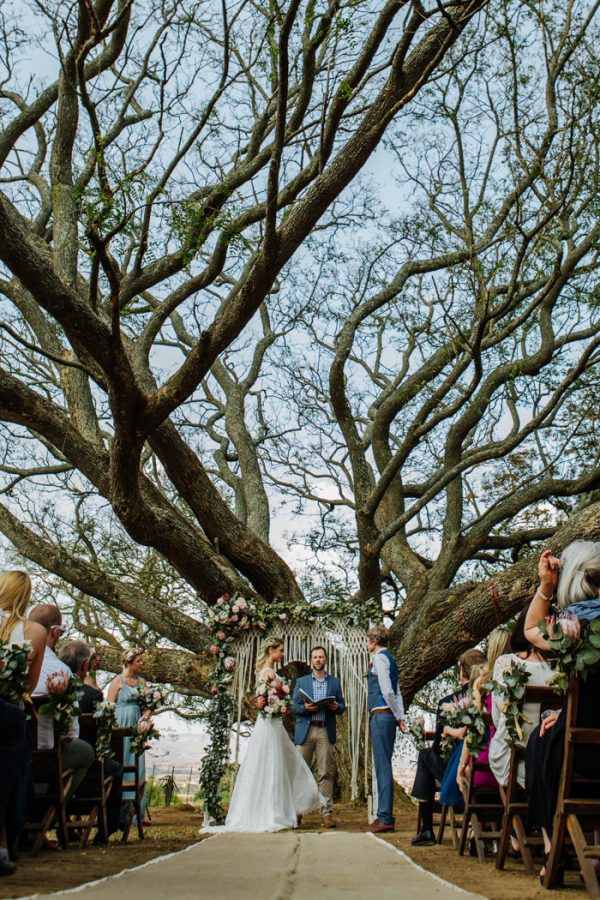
point(328, 822)
point(377, 827)
point(424, 839)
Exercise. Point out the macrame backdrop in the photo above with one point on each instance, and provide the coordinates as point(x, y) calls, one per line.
point(348, 659)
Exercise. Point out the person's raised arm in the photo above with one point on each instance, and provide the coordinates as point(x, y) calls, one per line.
point(539, 606)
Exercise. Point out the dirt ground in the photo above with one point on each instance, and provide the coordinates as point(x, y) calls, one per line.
point(177, 827)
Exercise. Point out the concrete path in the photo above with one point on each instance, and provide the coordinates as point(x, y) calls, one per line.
point(283, 866)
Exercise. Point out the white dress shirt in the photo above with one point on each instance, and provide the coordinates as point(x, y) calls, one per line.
point(381, 667)
point(45, 726)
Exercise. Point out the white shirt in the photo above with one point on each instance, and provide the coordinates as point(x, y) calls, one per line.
point(381, 667)
point(45, 726)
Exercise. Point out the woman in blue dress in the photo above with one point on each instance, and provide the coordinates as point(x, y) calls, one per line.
point(126, 692)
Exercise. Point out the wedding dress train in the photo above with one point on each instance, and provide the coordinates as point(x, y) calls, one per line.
point(274, 785)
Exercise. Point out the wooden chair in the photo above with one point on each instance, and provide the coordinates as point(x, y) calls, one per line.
point(515, 808)
point(52, 787)
point(439, 818)
point(132, 782)
point(87, 808)
point(450, 818)
point(483, 805)
point(578, 806)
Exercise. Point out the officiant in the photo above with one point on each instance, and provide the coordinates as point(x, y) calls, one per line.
point(316, 724)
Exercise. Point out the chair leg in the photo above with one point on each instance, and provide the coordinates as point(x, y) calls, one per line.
point(479, 845)
point(522, 841)
point(504, 841)
point(127, 828)
point(587, 869)
point(558, 840)
point(442, 828)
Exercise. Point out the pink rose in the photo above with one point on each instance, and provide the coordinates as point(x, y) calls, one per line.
point(570, 626)
point(229, 663)
point(234, 619)
point(286, 688)
point(259, 702)
point(57, 682)
point(214, 689)
point(221, 636)
point(235, 608)
point(214, 650)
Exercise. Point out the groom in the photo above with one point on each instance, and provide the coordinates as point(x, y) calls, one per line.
point(316, 728)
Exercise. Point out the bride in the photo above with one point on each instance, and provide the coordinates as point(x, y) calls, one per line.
point(274, 785)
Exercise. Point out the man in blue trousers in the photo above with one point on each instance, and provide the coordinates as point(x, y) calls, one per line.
point(386, 712)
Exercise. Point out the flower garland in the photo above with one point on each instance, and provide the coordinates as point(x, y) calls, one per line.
point(64, 693)
point(463, 713)
point(13, 671)
point(512, 688)
point(142, 733)
point(576, 645)
point(104, 711)
point(416, 731)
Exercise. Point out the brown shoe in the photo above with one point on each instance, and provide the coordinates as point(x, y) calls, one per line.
point(328, 822)
point(298, 821)
point(377, 827)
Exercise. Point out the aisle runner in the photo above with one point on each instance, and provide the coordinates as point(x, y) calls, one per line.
point(284, 866)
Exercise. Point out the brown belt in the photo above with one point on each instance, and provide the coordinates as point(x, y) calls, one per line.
point(318, 724)
point(378, 712)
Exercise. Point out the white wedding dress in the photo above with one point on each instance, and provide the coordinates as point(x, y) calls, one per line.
point(274, 785)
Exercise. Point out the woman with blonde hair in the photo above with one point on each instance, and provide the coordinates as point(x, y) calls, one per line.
point(274, 785)
point(15, 594)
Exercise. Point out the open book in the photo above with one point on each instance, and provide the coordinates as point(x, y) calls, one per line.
point(321, 704)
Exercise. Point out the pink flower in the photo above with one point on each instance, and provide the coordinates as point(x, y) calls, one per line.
point(220, 601)
point(57, 682)
point(570, 626)
point(283, 616)
point(259, 702)
point(550, 623)
point(286, 688)
point(242, 603)
point(221, 636)
point(214, 650)
point(234, 618)
point(229, 663)
point(235, 608)
point(214, 689)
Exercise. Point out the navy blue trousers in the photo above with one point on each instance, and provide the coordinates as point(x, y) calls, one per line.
point(383, 737)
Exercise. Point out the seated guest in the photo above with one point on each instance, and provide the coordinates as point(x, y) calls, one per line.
point(430, 765)
point(77, 656)
point(498, 644)
point(15, 774)
point(540, 673)
point(76, 754)
point(578, 594)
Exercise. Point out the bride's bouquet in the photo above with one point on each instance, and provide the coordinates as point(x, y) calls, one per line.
point(273, 700)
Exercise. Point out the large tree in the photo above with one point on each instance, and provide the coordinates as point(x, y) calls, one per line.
point(196, 283)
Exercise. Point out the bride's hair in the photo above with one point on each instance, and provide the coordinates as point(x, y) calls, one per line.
point(263, 654)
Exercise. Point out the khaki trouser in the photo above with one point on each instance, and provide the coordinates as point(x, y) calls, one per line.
point(318, 746)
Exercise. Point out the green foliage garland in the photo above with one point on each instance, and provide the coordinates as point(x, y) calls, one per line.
point(576, 646)
point(104, 711)
point(13, 671)
point(512, 689)
point(64, 693)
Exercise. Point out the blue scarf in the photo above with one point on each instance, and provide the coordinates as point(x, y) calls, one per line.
point(585, 610)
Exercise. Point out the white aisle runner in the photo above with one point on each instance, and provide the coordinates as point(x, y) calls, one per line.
point(283, 866)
